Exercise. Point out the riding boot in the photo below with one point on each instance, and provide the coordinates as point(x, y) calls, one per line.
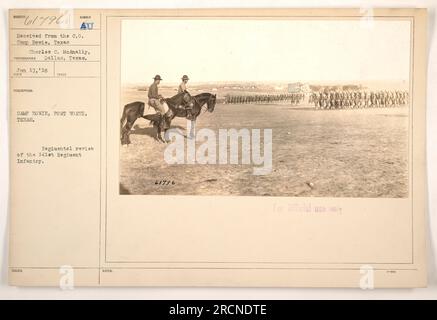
point(189, 114)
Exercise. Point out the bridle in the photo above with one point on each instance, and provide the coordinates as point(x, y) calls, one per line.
point(208, 102)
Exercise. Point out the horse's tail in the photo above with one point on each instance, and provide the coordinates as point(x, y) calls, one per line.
point(123, 117)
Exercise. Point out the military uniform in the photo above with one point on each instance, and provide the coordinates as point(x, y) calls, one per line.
point(154, 97)
point(183, 88)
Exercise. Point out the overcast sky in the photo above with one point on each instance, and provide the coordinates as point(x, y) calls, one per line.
point(264, 50)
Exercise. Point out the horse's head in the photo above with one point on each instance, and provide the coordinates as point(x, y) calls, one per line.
point(211, 102)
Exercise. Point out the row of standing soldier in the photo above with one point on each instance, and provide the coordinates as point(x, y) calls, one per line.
point(332, 99)
point(293, 98)
point(358, 99)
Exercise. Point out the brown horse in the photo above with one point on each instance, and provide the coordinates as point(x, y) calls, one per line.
point(162, 123)
point(135, 110)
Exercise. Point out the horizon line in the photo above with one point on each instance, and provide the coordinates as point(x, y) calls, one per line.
point(272, 82)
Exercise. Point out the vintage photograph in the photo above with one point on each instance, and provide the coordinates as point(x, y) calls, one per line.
point(213, 147)
point(265, 107)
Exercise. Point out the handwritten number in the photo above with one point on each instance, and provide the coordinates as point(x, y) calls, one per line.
point(165, 182)
point(48, 20)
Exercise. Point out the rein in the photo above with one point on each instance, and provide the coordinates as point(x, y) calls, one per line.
point(202, 106)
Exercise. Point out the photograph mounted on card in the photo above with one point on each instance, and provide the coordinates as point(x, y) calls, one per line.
point(218, 147)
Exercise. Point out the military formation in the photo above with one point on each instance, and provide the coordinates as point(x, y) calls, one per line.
point(292, 98)
point(329, 99)
point(351, 99)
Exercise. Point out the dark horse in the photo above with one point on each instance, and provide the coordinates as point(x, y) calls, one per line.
point(135, 110)
point(162, 123)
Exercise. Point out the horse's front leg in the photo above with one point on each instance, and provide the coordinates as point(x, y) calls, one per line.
point(166, 124)
point(165, 136)
point(192, 129)
point(159, 134)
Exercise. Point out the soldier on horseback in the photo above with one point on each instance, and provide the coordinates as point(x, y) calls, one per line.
point(154, 97)
point(183, 88)
point(183, 85)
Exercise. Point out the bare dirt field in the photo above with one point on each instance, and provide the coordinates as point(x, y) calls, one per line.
point(322, 153)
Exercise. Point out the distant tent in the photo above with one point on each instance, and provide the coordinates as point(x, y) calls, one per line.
point(297, 87)
point(351, 87)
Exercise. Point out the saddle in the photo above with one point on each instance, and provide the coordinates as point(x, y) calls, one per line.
point(159, 105)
